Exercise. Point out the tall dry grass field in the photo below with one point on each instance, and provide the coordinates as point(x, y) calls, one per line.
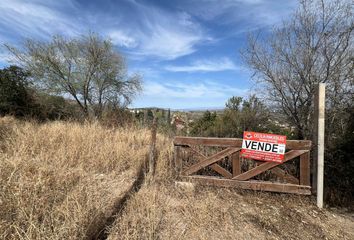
point(63, 180)
point(57, 179)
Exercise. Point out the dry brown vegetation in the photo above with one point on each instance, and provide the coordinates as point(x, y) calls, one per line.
point(59, 180)
point(167, 211)
point(63, 180)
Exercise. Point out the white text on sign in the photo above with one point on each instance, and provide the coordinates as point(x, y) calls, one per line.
point(263, 146)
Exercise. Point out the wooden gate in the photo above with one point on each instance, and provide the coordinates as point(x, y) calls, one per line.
point(225, 162)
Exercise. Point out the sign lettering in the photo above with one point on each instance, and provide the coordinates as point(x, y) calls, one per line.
point(263, 146)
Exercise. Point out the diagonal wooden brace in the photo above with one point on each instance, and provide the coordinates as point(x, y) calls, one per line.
point(268, 165)
point(280, 173)
point(210, 160)
point(216, 167)
point(284, 175)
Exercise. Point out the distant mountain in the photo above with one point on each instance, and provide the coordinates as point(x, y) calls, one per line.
point(195, 109)
point(199, 109)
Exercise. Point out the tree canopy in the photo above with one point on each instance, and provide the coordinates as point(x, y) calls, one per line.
point(15, 97)
point(88, 69)
point(314, 46)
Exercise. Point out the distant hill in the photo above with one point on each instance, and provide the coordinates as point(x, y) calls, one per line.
point(200, 109)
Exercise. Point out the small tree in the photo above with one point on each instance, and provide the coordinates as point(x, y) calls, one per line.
point(168, 118)
point(16, 97)
point(204, 126)
point(241, 115)
point(87, 68)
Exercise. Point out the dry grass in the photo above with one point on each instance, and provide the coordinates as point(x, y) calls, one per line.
point(57, 179)
point(61, 180)
point(167, 211)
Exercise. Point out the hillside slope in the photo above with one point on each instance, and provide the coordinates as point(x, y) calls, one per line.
point(167, 211)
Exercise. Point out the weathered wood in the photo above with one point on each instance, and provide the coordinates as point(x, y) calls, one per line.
point(210, 160)
point(284, 175)
point(208, 141)
point(234, 142)
point(268, 165)
point(216, 167)
point(298, 144)
point(236, 164)
point(238, 179)
point(253, 185)
point(177, 159)
point(152, 155)
point(280, 173)
point(305, 169)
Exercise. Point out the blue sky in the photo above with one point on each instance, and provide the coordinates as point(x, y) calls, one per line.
point(187, 51)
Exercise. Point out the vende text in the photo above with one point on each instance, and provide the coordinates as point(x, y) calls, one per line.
point(263, 146)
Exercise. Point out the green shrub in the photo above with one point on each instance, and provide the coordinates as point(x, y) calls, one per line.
point(15, 96)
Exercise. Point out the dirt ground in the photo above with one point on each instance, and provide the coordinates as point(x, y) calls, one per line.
point(169, 211)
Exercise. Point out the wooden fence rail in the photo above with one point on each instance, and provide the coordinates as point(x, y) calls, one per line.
point(237, 178)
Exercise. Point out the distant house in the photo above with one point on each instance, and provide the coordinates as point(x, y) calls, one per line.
point(178, 122)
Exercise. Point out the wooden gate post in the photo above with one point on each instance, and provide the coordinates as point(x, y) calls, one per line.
point(319, 142)
point(305, 178)
point(236, 164)
point(177, 160)
point(152, 155)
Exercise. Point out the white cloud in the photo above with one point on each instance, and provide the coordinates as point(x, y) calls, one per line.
point(214, 65)
point(242, 13)
point(145, 30)
point(164, 34)
point(145, 72)
point(5, 58)
point(37, 18)
point(207, 89)
point(121, 39)
point(168, 43)
point(178, 95)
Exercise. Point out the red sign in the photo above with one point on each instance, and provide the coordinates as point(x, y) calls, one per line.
point(263, 146)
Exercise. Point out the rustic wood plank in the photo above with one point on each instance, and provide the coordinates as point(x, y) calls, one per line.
point(305, 169)
point(284, 175)
point(252, 185)
point(268, 165)
point(235, 142)
point(298, 144)
point(210, 160)
point(177, 159)
point(216, 167)
point(208, 141)
point(236, 164)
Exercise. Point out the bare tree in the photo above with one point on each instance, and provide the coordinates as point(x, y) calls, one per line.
point(87, 68)
point(315, 46)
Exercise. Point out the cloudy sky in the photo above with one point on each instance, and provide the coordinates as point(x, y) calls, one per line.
point(186, 50)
